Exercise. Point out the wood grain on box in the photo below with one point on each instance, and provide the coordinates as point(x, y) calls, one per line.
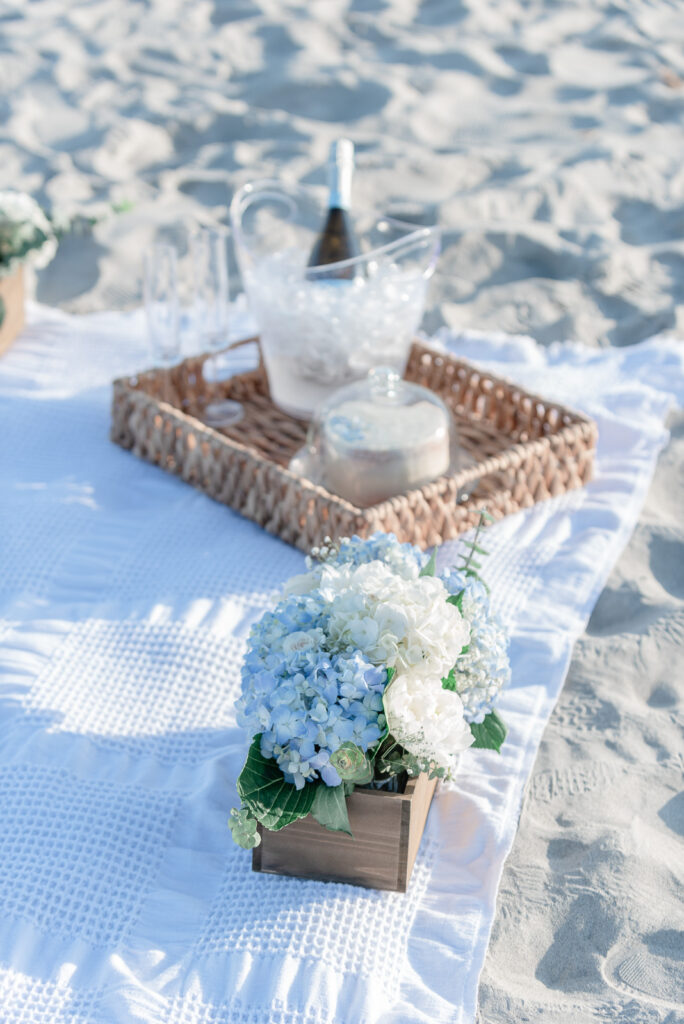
point(387, 829)
point(11, 308)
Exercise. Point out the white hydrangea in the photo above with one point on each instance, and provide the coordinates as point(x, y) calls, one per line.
point(426, 719)
point(26, 234)
point(398, 622)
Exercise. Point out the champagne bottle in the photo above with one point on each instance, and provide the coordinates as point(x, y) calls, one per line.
point(336, 241)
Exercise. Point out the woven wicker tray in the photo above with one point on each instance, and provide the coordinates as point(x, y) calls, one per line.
point(525, 449)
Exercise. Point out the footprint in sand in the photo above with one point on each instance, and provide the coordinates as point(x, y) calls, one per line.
point(654, 969)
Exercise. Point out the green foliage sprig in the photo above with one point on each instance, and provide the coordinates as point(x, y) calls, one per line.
point(491, 732)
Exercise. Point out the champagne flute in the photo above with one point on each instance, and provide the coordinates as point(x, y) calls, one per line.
point(210, 271)
point(161, 306)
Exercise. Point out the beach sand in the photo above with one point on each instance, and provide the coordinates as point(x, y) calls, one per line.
point(546, 138)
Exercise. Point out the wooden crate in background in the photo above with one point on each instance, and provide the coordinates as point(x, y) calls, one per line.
point(11, 308)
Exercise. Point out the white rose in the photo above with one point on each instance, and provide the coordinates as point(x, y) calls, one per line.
point(426, 719)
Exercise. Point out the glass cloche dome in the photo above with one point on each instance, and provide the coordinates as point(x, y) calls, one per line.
point(379, 437)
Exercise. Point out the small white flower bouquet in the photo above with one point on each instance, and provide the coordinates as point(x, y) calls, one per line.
point(26, 233)
point(371, 668)
point(26, 236)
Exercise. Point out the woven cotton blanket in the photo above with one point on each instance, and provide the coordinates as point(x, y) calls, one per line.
point(125, 602)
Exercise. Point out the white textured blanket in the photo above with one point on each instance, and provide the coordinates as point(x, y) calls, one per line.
point(125, 598)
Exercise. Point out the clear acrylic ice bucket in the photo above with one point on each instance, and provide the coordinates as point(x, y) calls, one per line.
point(318, 333)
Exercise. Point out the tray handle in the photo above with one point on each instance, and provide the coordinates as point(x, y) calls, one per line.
point(241, 342)
point(254, 340)
point(201, 358)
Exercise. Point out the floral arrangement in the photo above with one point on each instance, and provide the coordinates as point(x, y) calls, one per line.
point(26, 233)
point(370, 668)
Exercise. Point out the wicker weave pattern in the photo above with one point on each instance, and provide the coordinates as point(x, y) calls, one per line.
point(525, 448)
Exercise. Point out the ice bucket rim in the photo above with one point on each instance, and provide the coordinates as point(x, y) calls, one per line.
point(413, 233)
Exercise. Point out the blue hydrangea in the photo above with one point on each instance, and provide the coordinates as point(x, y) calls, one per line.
point(484, 669)
point(405, 560)
point(303, 700)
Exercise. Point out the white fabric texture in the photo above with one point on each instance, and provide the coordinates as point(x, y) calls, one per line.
point(125, 601)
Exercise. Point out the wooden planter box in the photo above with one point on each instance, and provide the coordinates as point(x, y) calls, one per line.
point(387, 831)
point(11, 308)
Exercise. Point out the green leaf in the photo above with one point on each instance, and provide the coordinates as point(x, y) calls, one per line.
point(431, 568)
point(246, 840)
point(265, 793)
point(449, 683)
point(349, 788)
point(457, 599)
point(2, 310)
point(489, 734)
point(391, 673)
point(351, 764)
point(329, 808)
point(480, 551)
point(393, 766)
point(243, 828)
